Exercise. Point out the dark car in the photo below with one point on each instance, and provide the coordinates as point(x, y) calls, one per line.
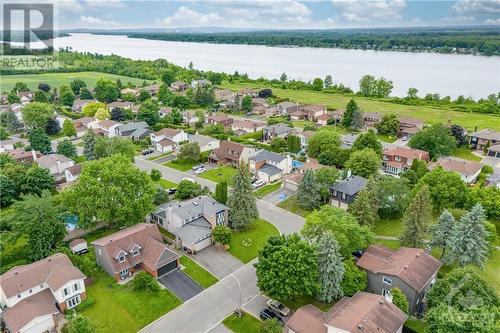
point(147, 151)
point(171, 191)
point(268, 314)
point(358, 253)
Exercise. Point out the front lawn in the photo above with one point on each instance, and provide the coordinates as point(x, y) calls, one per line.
point(245, 245)
point(292, 205)
point(300, 301)
point(387, 138)
point(198, 273)
point(118, 308)
point(394, 227)
point(466, 154)
point(246, 324)
point(166, 183)
point(301, 123)
point(181, 165)
point(219, 174)
point(265, 190)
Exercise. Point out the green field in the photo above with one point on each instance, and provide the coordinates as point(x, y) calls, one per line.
point(429, 115)
point(57, 79)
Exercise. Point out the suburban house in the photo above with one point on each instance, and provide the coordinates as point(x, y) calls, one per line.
point(324, 118)
point(409, 269)
point(285, 108)
point(409, 126)
point(73, 172)
point(348, 140)
point(164, 111)
point(398, 160)
point(269, 166)
point(134, 130)
point(206, 143)
point(79, 104)
point(271, 111)
point(6, 145)
point(227, 105)
point(132, 91)
point(292, 180)
point(56, 163)
point(34, 296)
point(484, 138)
point(231, 153)
point(468, 170)
point(167, 139)
point(363, 312)
point(371, 118)
point(139, 247)
point(279, 130)
point(308, 112)
point(108, 127)
point(21, 155)
point(120, 105)
point(179, 86)
point(78, 246)
point(25, 96)
point(225, 121)
point(345, 191)
point(199, 83)
point(85, 123)
point(152, 89)
point(304, 138)
point(189, 117)
point(259, 101)
point(248, 126)
point(192, 221)
point(494, 151)
point(249, 92)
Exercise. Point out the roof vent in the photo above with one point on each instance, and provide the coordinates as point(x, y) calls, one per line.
point(110, 240)
point(406, 266)
point(50, 259)
point(15, 273)
point(417, 255)
point(381, 301)
point(195, 203)
point(360, 326)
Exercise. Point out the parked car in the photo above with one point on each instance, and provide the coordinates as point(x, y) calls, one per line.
point(258, 183)
point(199, 166)
point(148, 151)
point(171, 191)
point(278, 307)
point(200, 170)
point(266, 314)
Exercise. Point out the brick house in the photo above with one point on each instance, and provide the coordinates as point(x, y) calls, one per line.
point(409, 126)
point(308, 112)
point(345, 191)
point(398, 160)
point(468, 170)
point(225, 121)
point(231, 153)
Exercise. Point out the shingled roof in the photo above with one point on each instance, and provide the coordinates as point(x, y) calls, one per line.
point(350, 185)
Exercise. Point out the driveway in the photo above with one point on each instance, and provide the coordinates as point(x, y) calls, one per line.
point(180, 284)
point(278, 196)
point(165, 159)
point(217, 261)
point(259, 302)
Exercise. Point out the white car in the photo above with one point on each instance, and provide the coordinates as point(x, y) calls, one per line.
point(258, 184)
point(200, 170)
point(189, 179)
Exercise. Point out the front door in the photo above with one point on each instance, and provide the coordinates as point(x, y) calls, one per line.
point(124, 273)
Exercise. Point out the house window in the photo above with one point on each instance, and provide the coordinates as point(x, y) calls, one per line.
point(387, 280)
point(76, 287)
point(384, 292)
point(121, 258)
point(135, 253)
point(385, 158)
point(418, 300)
point(31, 291)
point(65, 291)
point(72, 302)
point(220, 218)
point(397, 158)
point(18, 295)
point(41, 286)
point(335, 193)
point(343, 196)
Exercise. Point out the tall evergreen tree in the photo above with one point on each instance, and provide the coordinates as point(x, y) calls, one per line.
point(331, 268)
point(365, 206)
point(349, 113)
point(309, 192)
point(39, 141)
point(89, 140)
point(357, 121)
point(221, 192)
point(443, 231)
point(242, 204)
point(416, 219)
point(468, 244)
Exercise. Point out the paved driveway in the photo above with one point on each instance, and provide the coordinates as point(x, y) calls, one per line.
point(165, 159)
point(278, 196)
point(180, 284)
point(217, 261)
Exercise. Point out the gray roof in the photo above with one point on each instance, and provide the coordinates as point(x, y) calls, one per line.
point(348, 140)
point(202, 140)
point(279, 128)
point(139, 133)
point(194, 231)
point(133, 126)
point(193, 208)
point(350, 185)
point(265, 155)
point(270, 169)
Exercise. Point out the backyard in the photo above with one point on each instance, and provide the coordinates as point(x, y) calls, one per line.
point(466, 154)
point(218, 174)
point(245, 245)
point(292, 206)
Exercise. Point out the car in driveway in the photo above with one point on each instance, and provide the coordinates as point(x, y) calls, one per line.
point(147, 151)
point(267, 314)
point(199, 166)
point(258, 183)
point(171, 191)
point(200, 170)
point(278, 307)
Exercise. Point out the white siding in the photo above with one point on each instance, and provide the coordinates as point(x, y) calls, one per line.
point(39, 324)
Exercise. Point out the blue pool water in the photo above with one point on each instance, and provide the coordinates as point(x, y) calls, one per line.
point(297, 164)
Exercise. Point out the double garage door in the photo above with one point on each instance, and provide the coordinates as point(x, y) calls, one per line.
point(167, 268)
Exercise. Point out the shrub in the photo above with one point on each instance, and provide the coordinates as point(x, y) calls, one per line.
point(85, 304)
point(399, 299)
point(145, 282)
point(155, 175)
point(222, 234)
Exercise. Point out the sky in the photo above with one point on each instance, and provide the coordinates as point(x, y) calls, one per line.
point(274, 14)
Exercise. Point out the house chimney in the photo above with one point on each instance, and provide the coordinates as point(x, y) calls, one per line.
point(59, 168)
point(349, 173)
point(33, 153)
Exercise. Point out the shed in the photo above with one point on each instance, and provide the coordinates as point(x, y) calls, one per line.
point(79, 246)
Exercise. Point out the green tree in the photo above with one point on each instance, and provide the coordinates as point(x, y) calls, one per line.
point(444, 319)
point(9, 120)
point(161, 196)
point(143, 95)
point(76, 85)
point(349, 234)
point(144, 281)
point(367, 86)
point(399, 299)
point(79, 324)
point(435, 139)
point(102, 114)
point(357, 121)
point(168, 76)
point(246, 104)
point(317, 84)
point(89, 140)
point(283, 77)
point(325, 177)
point(416, 219)
point(278, 145)
point(91, 108)
point(112, 190)
point(335, 156)
point(389, 124)
point(8, 190)
point(188, 189)
point(40, 96)
point(106, 147)
point(39, 141)
point(271, 326)
point(354, 279)
point(66, 96)
point(106, 91)
point(443, 231)
point(69, 129)
point(52, 127)
point(204, 95)
point(364, 208)
point(328, 81)
point(308, 191)
point(286, 268)
point(13, 98)
point(350, 109)
point(322, 141)
point(241, 201)
point(4, 135)
point(117, 114)
point(222, 234)
point(489, 198)
point(412, 93)
point(66, 148)
point(20, 87)
point(44, 87)
point(330, 267)
point(468, 243)
point(155, 175)
point(293, 143)
point(189, 152)
point(148, 112)
point(364, 163)
point(221, 192)
point(37, 114)
point(85, 94)
point(40, 220)
point(368, 140)
point(393, 196)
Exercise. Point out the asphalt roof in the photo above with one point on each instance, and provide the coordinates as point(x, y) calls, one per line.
point(265, 155)
point(270, 169)
point(194, 231)
point(350, 185)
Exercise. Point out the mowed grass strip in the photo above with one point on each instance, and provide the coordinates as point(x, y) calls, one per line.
point(198, 273)
point(246, 324)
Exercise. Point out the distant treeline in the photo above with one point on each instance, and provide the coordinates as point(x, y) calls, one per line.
point(480, 40)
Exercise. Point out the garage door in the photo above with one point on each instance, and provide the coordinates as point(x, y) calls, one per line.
point(203, 244)
point(167, 268)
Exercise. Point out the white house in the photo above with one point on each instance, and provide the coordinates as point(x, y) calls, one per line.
point(56, 163)
point(269, 166)
point(108, 127)
point(167, 139)
point(33, 294)
point(206, 143)
point(6, 145)
point(468, 170)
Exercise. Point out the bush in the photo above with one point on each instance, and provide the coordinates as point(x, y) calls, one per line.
point(145, 282)
point(222, 234)
point(155, 175)
point(79, 324)
point(399, 299)
point(85, 304)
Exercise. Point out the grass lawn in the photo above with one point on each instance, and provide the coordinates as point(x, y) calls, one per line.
point(246, 324)
point(491, 271)
point(56, 136)
point(429, 115)
point(167, 233)
point(417, 325)
point(152, 158)
point(300, 301)
point(264, 190)
point(338, 129)
point(58, 79)
point(291, 205)
point(258, 234)
point(219, 174)
point(386, 138)
point(120, 309)
point(301, 123)
point(166, 183)
point(198, 273)
point(180, 165)
point(466, 154)
point(394, 227)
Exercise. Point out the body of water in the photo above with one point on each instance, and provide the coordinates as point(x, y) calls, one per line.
point(448, 75)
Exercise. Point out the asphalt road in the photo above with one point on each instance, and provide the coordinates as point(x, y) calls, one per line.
point(205, 311)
